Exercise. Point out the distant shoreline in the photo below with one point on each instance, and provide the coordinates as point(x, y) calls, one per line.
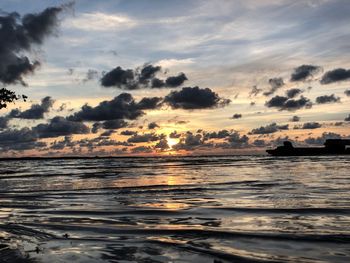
point(119, 157)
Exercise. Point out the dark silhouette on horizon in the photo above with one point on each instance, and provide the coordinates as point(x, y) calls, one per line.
point(331, 147)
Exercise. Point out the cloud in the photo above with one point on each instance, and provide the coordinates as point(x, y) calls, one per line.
point(176, 81)
point(237, 116)
point(271, 128)
point(142, 149)
point(152, 125)
point(321, 139)
point(338, 123)
point(98, 21)
point(139, 78)
point(146, 137)
point(254, 91)
point(335, 75)
point(259, 143)
point(295, 118)
point(162, 145)
point(150, 103)
point(96, 127)
point(327, 99)
point(36, 111)
point(107, 133)
point(284, 103)
point(120, 78)
point(275, 84)
point(195, 98)
point(121, 107)
point(304, 72)
point(157, 83)
point(91, 74)
point(311, 125)
point(60, 126)
point(128, 133)
point(217, 135)
point(148, 72)
point(18, 35)
point(19, 140)
point(174, 135)
point(235, 140)
point(114, 124)
point(291, 93)
point(190, 141)
point(4, 120)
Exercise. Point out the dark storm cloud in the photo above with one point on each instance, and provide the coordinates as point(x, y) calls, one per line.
point(295, 118)
point(284, 103)
point(275, 84)
point(304, 72)
point(146, 137)
point(293, 93)
point(311, 125)
point(139, 78)
point(347, 118)
point(18, 35)
point(60, 126)
point(327, 99)
point(195, 98)
point(347, 92)
point(335, 75)
point(271, 128)
point(36, 111)
point(121, 107)
point(114, 124)
point(152, 125)
point(237, 116)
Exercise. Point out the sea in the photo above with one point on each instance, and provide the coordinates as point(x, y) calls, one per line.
point(176, 209)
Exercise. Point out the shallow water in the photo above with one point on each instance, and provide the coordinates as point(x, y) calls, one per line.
point(193, 209)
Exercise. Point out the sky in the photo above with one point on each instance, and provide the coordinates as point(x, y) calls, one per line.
point(159, 77)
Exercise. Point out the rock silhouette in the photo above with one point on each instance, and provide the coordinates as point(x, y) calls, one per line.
point(331, 147)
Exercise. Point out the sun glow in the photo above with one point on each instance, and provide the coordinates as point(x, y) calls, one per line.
point(172, 142)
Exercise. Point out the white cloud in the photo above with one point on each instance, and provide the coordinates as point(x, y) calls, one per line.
point(170, 63)
point(100, 22)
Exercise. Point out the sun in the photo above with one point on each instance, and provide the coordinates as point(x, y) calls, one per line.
point(171, 142)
